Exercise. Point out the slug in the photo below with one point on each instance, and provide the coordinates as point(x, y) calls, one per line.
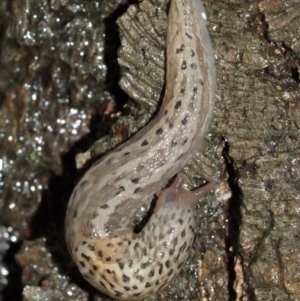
point(99, 234)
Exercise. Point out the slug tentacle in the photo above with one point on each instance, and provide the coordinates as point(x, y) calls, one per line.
point(114, 259)
point(175, 193)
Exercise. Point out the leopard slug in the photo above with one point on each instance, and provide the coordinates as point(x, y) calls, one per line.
point(110, 255)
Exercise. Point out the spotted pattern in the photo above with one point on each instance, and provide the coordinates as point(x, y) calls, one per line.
point(148, 275)
point(120, 263)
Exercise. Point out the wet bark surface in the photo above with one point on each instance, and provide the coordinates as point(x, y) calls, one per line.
point(58, 94)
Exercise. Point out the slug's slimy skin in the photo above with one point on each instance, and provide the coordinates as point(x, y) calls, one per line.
point(99, 234)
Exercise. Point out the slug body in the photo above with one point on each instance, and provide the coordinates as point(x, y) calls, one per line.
point(99, 234)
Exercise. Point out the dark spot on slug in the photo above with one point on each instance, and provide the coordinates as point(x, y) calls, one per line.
point(91, 272)
point(95, 267)
point(127, 288)
point(121, 265)
point(140, 278)
point(185, 140)
point(171, 124)
point(125, 278)
point(180, 221)
point(166, 112)
point(182, 90)
point(151, 273)
point(94, 215)
point(137, 294)
point(184, 120)
point(118, 192)
point(135, 287)
point(189, 36)
point(195, 89)
point(183, 233)
point(137, 190)
point(91, 247)
point(180, 49)
point(192, 53)
point(83, 242)
point(170, 272)
point(171, 230)
point(75, 214)
point(135, 247)
point(183, 65)
point(118, 178)
point(178, 104)
point(85, 256)
point(148, 284)
point(135, 181)
point(76, 249)
point(181, 249)
point(130, 262)
point(104, 206)
point(103, 277)
point(173, 143)
point(82, 263)
point(120, 243)
point(144, 143)
point(194, 66)
point(108, 258)
point(126, 154)
point(109, 244)
point(160, 269)
point(171, 252)
point(145, 265)
point(168, 263)
point(117, 293)
point(111, 285)
point(159, 131)
point(102, 283)
point(100, 254)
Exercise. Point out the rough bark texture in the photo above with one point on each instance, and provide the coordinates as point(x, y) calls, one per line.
point(258, 114)
point(52, 75)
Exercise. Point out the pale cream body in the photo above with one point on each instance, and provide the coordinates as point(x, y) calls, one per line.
point(99, 231)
